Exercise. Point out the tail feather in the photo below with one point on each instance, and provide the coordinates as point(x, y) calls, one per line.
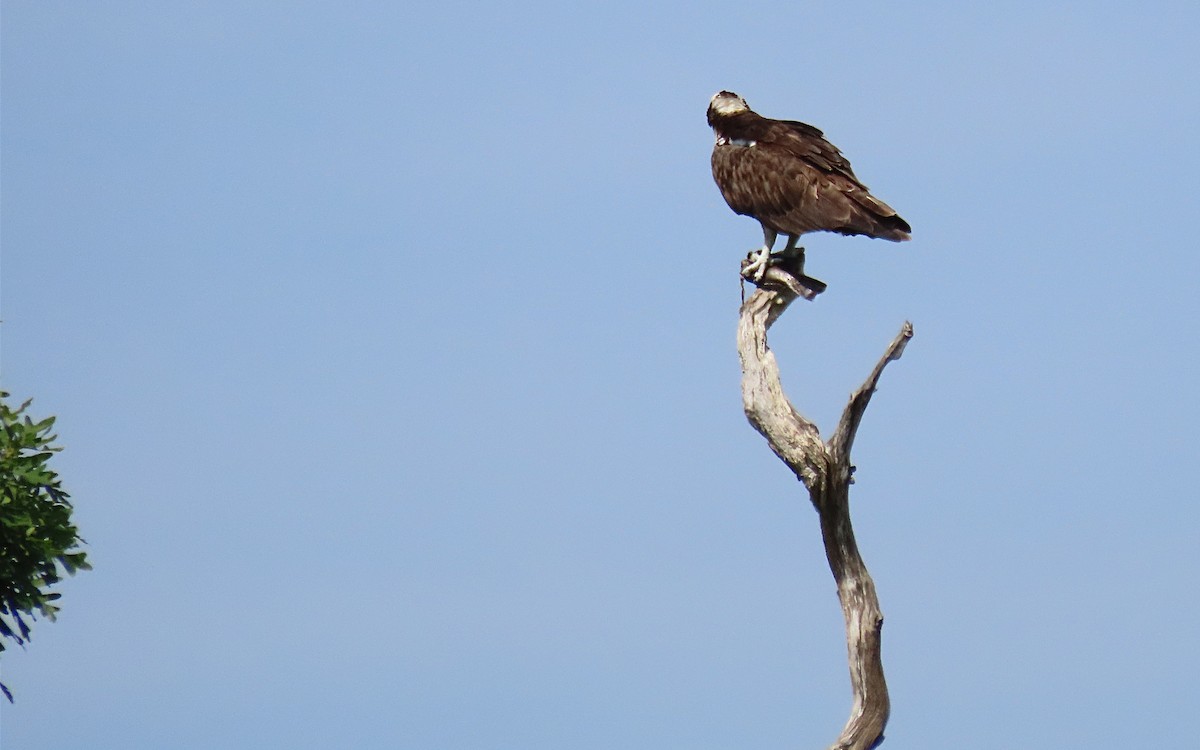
point(893, 228)
point(883, 221)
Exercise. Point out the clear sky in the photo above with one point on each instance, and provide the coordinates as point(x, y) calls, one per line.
point(392, 346)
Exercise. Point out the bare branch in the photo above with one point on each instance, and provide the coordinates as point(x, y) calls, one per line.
point(843, 437)
point(825, 470)
point(794, 438)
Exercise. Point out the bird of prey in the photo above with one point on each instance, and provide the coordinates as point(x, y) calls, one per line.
point(785, 174)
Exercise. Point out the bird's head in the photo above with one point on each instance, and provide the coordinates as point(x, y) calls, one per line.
point(726, 104)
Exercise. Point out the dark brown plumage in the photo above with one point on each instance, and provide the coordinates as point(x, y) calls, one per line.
point(786, 175)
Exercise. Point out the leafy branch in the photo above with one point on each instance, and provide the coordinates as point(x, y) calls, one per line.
point(38, 541)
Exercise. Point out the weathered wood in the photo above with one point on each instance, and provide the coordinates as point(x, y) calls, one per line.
point(827, 472)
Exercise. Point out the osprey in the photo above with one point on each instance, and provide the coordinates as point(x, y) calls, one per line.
point(785, 174)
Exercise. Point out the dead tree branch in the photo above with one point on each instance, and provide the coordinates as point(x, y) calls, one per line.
point(827, 472)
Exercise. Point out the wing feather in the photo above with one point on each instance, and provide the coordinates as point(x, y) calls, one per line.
point(794, 182)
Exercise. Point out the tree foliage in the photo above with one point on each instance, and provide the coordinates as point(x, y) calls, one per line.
point(38, 542)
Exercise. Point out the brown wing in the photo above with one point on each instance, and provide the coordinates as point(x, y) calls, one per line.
point(794, 181)
point(809, 144)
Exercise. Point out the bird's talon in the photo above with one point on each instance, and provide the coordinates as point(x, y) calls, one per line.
point(756, 264)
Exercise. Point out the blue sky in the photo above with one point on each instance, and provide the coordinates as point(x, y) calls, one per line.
point(392, 350)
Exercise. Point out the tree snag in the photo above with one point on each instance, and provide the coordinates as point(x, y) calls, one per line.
point(827, 473)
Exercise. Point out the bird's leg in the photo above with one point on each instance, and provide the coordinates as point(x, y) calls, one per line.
point(761, 258)
point(794, 254)
point(791, 260)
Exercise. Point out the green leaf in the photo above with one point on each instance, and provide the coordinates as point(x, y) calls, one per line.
point(39, 543)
